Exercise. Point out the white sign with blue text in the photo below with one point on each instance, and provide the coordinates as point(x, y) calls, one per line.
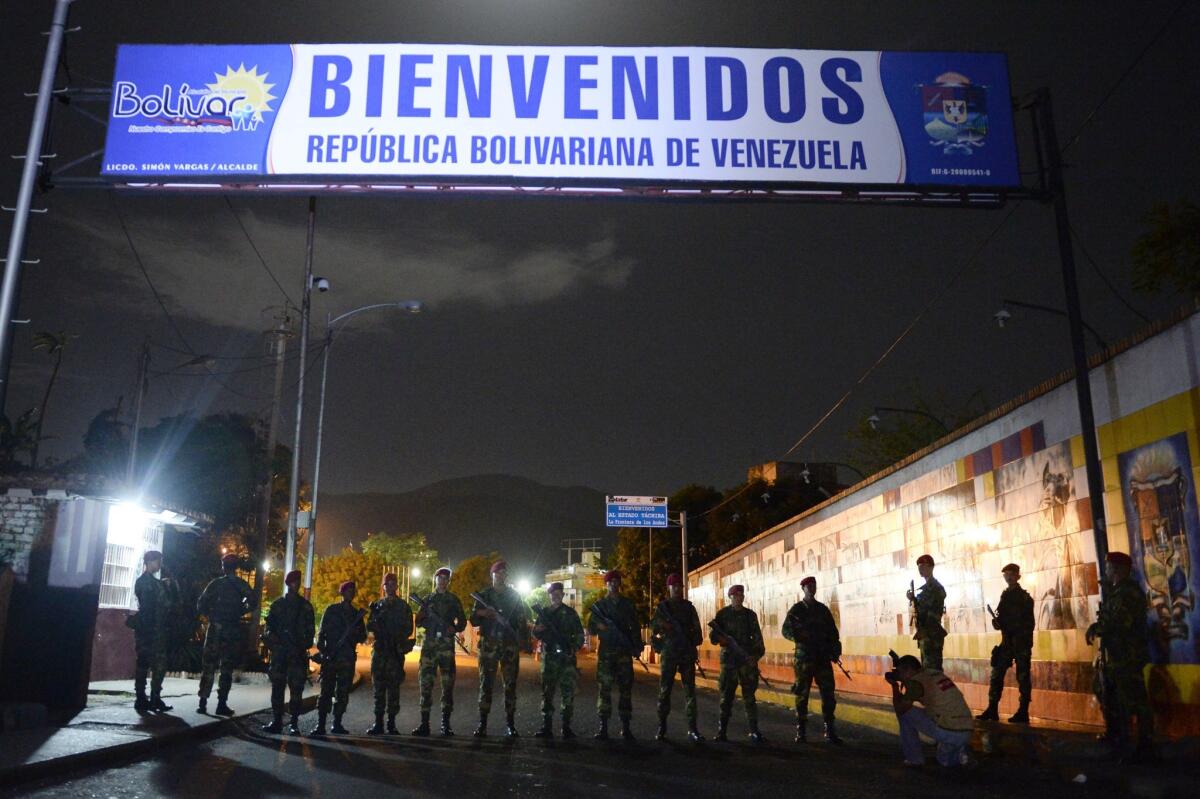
point(636, 511)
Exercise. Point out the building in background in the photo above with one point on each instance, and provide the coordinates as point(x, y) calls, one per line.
point(580, 577)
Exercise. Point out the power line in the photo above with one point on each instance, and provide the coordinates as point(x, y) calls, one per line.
point(1104, 277)
point(254, 247)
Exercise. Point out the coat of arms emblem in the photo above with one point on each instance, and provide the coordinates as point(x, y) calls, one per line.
point(955, 113)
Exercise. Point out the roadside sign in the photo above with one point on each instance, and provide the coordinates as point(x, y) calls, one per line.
point(635, 511)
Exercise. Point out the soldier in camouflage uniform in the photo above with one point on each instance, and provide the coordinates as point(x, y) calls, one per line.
point(224, 601)
point(154, 599)
point(391, 622)
point(503, 635)
point(930, 605)
point(736, 631)
point(810, 625)
point(1121, 627)
point(442, 616)
point(561, 633)
point(677, 633)
point(342, 630)
point(620, 641)
point(288, 635)
point(1014, 620)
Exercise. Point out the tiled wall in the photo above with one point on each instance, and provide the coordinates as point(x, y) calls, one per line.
point(1002, 494)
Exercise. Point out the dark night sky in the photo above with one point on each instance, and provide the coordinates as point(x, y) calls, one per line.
point(628, 346)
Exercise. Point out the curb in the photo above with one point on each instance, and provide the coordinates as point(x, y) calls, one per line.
point(121, 754)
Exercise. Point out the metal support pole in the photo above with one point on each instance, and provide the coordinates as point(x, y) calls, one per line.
point(312, 515)
point(143, 376)
point(305, 307)
point(29, 172)
point(683, 571)
point(279, 348)
point(1083, 385)
point(650, 572)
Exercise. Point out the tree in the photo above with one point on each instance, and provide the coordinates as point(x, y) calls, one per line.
point(1168, 253)
point(16, 437)
point(585, 607)
point(54, 345)
point(537, 598)
point(896, 435)
point(473, 574)
point(410, 549)
point(365, 569)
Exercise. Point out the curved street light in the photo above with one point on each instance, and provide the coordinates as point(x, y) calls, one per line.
point(407, 306)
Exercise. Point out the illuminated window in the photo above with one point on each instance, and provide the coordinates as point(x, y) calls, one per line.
point(130, 534)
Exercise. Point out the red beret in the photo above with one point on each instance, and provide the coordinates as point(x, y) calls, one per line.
point(807, 580)
point(1012, 567)
point(554, 587)
point(390, 577)
point(674, 579)
point(347, 586)
point(736, 589)
point(231, 560)
point(925, 559)
point(499, 565)
point(293, 576)
point(151, 554)
point(442, 571)
point(611, 575)
point(1119, 559)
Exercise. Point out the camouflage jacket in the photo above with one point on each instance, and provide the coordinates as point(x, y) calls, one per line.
point(444, 616)
point(1122, 625)
point(154, 604)
point(741, 626)
point(1014, 617)
point(812, 629)
point(226, 599)
point(931, 606)
point(338, 618)
point(627, 639)
point(391, 622)
point(676, 626)
point(563, 633)
point(291, 624)
point(516, 615)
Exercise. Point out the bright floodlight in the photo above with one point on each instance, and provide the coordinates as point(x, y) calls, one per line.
point(126, 525)
point(416, 572)
point(266, 565)
point(523, 586)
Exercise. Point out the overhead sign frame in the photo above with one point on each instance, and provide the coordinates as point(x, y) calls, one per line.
point(623, 511)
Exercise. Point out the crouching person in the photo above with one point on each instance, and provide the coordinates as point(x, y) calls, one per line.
point(943, 715)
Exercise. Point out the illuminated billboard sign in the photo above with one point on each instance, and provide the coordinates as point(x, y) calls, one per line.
point(537, 116)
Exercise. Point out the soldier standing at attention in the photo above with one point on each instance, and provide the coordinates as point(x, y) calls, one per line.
point(342, 630)
point(224, 601)
point(810, 625)
point(150, 633)
point(1121, 626)
point(930, 605)
point(391, 622)
point(505, 632)
point(614, 619)
point(736, 631)
point(676, 628)
point(1014, 620)
point(561, 633)
point(289, 633)
point(442, 616)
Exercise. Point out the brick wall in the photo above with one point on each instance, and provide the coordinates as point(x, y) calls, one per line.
point(22, 517)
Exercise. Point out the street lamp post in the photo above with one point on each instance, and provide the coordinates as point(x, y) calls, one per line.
point(1002, 316)
point(874, 419)
point(408, 306)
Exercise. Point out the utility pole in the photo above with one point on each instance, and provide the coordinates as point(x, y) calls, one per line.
point(143, 377)
point(683, 550)
point(278, 338)
point(289, 562)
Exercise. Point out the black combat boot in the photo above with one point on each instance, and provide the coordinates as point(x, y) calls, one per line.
point(1022, 714)
point(626, 733)
point(391, 725)
point(319, 730)
point(661, 735)
point(510, 727)
point(157, 705)
point(337, 728)
point(374, 729)
point(694, 734)
point(547, 730)
point(447, 730)
point(141, 704)
point(991, 713)
point(831, 735)
point(202, 708)
point(755, 735)
point(276, 725)
point(722, 725)
point(567, 732)
point(422, 729)
point(294, 727)
point(481, 730)
point(602, 732)
point(223, 709)
point(801, 728)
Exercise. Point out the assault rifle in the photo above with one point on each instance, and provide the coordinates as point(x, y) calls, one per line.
point(555, 638)
point(501, 620)
point(437, 617)
point(673, 621)
point(738, 650)
point(623, 639)
point(323, 655)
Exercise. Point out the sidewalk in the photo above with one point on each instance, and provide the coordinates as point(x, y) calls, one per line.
point(109, 730)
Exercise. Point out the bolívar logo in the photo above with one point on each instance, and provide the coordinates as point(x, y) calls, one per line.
point(235, 100)
point(955, 113)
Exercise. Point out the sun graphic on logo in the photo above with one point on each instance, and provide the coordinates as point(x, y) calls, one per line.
point(247, 84)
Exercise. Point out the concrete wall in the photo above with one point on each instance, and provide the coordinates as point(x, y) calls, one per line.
point(1010, 487)
point(22, 517)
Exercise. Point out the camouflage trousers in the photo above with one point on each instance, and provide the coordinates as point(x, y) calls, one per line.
point(288, 670)
point(336, 679)
point(1126, 693)
point(731, 677)
point(930, 647)
point(610, 670)
point(151, 661)
point(437, 656)
point(806, 672)
point(672, 663)
point(1000, 663)
point(504, 655)
point(223, 645)
point(559, 674)
point(387, 673)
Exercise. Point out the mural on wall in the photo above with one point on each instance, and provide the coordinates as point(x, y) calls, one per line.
point(1164, 541)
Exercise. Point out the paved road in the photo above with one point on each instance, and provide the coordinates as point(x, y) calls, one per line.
point(252, 764)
